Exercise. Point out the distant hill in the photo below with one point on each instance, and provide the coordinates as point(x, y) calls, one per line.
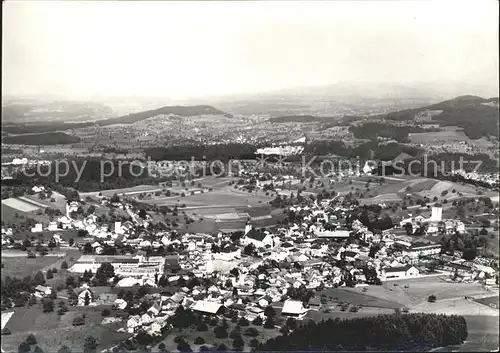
point(477, 116)
point(183, 111)
point(297, 119)
point(51, 138)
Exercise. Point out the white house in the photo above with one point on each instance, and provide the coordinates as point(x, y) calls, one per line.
point(52, 226)
point(407, 271)
point(37, 228)
point(42, 291)
point(37, 189)
point(294, 308)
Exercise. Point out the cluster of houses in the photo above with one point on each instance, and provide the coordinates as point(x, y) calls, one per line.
point(315, 250)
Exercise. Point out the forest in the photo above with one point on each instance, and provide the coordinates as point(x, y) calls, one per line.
point(398, 332)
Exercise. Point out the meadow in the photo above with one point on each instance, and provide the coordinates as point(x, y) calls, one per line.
point(17, 264)
point(447, 136)
point(52, 331)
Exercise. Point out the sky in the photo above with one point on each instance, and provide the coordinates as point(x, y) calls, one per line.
point(191, 49)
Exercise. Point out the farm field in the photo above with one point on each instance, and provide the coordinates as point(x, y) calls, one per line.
point(59, 200)
point(449, 136)
point(421, 288)
point(363, 312)
point(356, 297)
point(226, 198)
point(120, 192)
point(20, 205)
point(489, 300)
point(9, 215)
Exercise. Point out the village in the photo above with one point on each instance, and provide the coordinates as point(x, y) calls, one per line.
point(255, 275)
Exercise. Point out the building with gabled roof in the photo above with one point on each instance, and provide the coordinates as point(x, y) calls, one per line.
point(294, 308)
point(258, 238)
point(207, 307)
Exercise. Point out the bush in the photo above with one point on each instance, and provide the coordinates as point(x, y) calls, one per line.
point(6, 331)
point(353, 309)
point(79, 321)
point(432, 298)
point(105, 312)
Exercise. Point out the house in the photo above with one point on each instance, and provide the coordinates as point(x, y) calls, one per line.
point(85, 297)
point(294, 308)
point(37, 228)
point(258, 239)
point(343, 234)
point(37, 189)
point(207, 307)
point(42, 291)
point(315, 303)
point(155, 309)
point(400, 272)
point(422, 249)
point(120, 304)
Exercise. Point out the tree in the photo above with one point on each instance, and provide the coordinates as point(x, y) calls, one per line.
point(86, 299)
point(115, 198)
point(222, 348)
point(269, 324)
point(431, 298)
point(243, 321)
point(31, 340)
point(257, 321)
point(78, 321)
point(105, 272)
point(6, 332)
point(269, 312)
point(238, 343)
point(201, 326)
point(220, 332)
point(105, 313)
point(49, 274)
point(39, 279)
point(89, 345)
point(48, 305)
point(64, 265)
point(254, 343)
point(252, 332)
point(469, 254)
point(199, 340)
point(183, 346)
